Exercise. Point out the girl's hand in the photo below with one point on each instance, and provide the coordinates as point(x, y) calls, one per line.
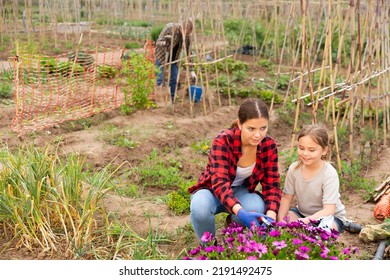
point(306, 220)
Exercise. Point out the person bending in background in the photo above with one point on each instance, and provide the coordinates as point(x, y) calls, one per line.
point(168, 48)
point(314, 182)
point(240, 158)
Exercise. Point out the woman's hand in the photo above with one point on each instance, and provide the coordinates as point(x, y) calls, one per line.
point(266, 220)
point(249, 218)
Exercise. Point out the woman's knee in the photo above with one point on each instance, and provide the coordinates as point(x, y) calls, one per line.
point(201, 204)
point(253, 202)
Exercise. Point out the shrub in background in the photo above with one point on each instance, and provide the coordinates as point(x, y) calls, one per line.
point(140, 78)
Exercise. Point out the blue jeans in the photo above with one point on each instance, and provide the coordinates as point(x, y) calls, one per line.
point(204, 206)
point(173, 77)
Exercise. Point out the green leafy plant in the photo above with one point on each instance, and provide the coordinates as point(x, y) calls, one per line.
point(201, 147)
point(266, 63)
point(240, 31)
point(283, 82)
point(222, 81)
point(128, 190)
point(123, 141)
point(157, 172)
point(119, 137)
point(106, 71)
point(155, 32)
point(267, 95)
point(239, 75)
point(140, 77)
point(178, 202)
point(232, 65)
point(262, 85)
point(5, 90)
point(133, 45)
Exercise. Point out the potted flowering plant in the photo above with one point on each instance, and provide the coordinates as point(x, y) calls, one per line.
point(280, 241)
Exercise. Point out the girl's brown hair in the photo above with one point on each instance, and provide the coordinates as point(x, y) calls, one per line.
point(251, 108)
point(319, 135)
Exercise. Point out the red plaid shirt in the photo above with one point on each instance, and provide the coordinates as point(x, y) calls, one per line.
point(221, 170)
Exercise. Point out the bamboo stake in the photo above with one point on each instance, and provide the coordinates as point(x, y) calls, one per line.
point(199, 70)
point(339, 52)
point(207, 92)
point(276, 31)
point(310, 79)
point(41, 5)
point(281, 58)
point(3, 25)
point(303, 57)
point(71, 91)
point(294, 55)
point(323, 68)
point(214, 50)
point(332, 87)
point(53, 18)
point(268, 31)
point(242, 33)
point(340, 46)
point(15, 17)
point(226, 65)
point(370, 60)
point(385, 64)
point(351, 68)
point(361, 96)
point(17, 64)
point(254, 41)
point(167, 69)
point(209, 62)
point(314, 36)
point(379, 63)
point(295, 61)
point(89, 11)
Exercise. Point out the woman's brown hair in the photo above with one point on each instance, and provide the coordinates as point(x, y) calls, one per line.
point(251, 108)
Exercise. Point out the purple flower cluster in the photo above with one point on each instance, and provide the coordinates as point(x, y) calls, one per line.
point(283, 241)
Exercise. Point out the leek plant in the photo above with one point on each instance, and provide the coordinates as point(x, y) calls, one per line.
point(45, 199)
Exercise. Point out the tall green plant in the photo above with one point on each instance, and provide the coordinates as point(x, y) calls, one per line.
point(45, 199)
point(140, 78)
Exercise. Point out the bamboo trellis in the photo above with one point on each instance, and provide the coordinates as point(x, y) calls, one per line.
point(343, 42)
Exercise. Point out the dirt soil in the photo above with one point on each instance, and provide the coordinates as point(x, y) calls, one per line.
point(175, 131)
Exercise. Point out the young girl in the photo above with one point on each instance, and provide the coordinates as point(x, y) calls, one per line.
point(313, 181)
point(240, 158)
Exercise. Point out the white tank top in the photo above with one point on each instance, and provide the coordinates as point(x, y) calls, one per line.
point(242, 173)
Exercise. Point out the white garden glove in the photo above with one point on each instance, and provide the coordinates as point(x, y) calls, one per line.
point(193, 77)
point(165, 41)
